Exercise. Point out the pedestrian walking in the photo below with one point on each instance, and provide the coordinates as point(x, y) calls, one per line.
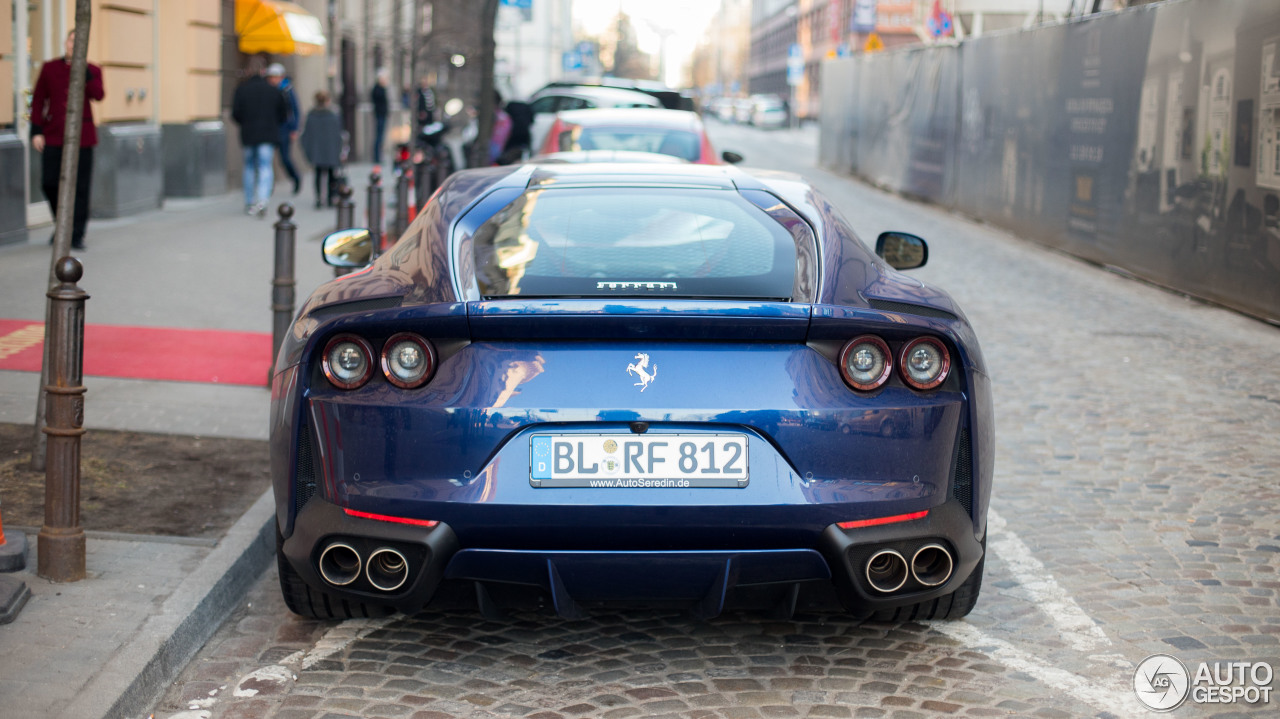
point(381, 109)
point(426, 105)
point(322, 144)
point(259, 108)
point(288, 130)
point(501, 129)
point(48, 126)
point(520, 139)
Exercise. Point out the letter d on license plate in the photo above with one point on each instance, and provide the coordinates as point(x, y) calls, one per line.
point(674, 461)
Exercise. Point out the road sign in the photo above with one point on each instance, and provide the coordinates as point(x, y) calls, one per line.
point(795, 64)
point(864, 16)
point(874, 43)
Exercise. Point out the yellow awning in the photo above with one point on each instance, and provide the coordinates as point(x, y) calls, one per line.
point(277, 27)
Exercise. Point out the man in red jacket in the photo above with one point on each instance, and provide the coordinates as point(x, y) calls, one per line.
point(48, 120)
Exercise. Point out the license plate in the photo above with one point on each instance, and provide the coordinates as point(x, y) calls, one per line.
point(659, 461)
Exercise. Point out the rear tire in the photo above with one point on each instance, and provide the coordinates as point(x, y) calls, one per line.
point(303, 600)
point(949, 606)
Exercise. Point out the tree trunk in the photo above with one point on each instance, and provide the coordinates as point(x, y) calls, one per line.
point(66, 202)
point(485, 105)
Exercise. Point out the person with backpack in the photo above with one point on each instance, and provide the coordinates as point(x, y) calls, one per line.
point(322, 145)
point(289, 128)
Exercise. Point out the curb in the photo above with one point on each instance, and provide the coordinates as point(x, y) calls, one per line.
point(154, 658)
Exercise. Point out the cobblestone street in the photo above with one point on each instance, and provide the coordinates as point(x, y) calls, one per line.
point(1136, 511)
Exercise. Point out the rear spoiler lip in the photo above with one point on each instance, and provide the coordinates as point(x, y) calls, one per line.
point(629, 318)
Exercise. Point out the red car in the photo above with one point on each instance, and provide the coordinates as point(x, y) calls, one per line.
point(678, 133)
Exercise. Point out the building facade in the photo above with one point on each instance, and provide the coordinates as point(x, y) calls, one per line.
point(533, 45)
point(161, 65)
point(719, 63)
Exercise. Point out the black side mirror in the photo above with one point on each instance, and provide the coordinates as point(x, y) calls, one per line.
point(731, 157)
point(348, 248)
point(902, 251)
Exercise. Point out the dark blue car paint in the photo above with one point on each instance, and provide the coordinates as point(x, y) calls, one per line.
point(456, 450)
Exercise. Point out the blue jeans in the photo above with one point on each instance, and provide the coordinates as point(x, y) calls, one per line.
point(379, 134)
point(258, 174)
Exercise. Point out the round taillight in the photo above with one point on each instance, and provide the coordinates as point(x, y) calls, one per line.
point(347, 361)
point(408, 360)
point(924, 363)
point(865, 362)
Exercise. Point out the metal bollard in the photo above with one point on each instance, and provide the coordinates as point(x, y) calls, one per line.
point(346, 220)
point(422, 179)
point(346, 208)
point(283, 283)
point(375, 210)
point(60, 548)
point(401, 221)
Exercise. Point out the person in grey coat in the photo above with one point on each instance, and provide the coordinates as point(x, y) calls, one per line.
point(322, 144)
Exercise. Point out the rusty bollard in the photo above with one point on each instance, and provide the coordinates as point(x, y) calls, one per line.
point(283, 283)
point(60, 545)
point(422, 182)
point(346, 220)
point(401, 221)
point(375, 210)
point(346, 208)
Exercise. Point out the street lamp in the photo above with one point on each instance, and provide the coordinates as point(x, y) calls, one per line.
point(458, 60)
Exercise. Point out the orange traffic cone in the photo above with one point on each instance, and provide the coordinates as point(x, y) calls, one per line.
point(13, 591)
point(13, 550)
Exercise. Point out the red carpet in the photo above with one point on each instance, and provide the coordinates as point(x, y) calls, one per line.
point(157, 353)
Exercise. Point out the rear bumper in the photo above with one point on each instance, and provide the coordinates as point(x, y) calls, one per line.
point(706, 580)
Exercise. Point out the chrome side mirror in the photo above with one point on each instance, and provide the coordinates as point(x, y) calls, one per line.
point(731, 157)
point(901, 250)
point(348, 248)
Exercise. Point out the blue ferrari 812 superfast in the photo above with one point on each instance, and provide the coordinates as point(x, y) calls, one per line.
point(579, 385)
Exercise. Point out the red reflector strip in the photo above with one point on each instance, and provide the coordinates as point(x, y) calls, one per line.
point(877, 521)
point(397, 520)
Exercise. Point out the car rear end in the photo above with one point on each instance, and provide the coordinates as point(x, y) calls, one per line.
point(638, 398)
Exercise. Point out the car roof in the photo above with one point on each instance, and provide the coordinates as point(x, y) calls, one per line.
point(607, 94)
point(668, 96)
point(656, 118)
point(609, 156)
point(614, 174)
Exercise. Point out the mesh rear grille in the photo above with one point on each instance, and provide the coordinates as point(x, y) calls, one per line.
point(910, 309)
point(305, 488)
point(962, 487)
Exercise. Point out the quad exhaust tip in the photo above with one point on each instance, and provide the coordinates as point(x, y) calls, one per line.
point(932, 565)
point(387, 569)
point(339, 564)
point(886, 571)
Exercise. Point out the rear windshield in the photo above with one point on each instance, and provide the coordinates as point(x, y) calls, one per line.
point(677, 143)
point(634, 242)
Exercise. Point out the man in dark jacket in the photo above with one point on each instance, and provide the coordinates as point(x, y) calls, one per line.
point(381, 108)
point(259, 108)
point(48, 120)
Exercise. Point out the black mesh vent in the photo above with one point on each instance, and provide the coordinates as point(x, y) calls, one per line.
point(962, 487)
point(306, 482)
point(342, 308)
point(910, 309)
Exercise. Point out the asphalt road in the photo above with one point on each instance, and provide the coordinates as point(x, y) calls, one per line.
point(1136, 511)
